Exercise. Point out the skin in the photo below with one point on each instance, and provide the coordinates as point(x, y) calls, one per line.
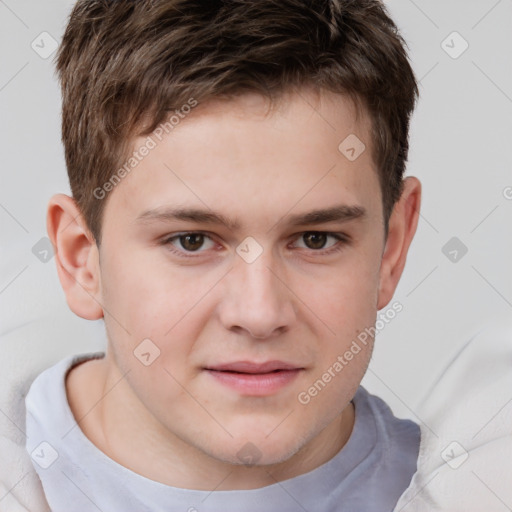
point(292, 303)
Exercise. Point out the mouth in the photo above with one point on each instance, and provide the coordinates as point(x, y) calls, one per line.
point(254, 368)
point(255, 379)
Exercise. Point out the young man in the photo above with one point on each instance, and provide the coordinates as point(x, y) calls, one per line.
point(239, 216)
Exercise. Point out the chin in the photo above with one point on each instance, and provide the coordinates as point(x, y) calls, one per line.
point(257, 450)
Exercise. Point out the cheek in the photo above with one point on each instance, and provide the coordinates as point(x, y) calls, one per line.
point(147, 297)
point(156, 302)
point(150, 318)
point(344, 298)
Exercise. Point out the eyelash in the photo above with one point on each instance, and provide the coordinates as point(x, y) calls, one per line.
point(341, 237)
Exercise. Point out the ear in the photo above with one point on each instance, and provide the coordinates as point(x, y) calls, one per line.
point(76, 256)
point(402, 227)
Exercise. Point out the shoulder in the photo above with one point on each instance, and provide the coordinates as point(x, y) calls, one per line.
point(47, 397)
point(397, 439)
point(56, 376)
point(383, 415)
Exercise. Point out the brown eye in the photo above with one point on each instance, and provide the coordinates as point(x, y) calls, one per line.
point(191, 241)
point(315, 240)
point(188, 243)
point(318, 242)
point(191, 244)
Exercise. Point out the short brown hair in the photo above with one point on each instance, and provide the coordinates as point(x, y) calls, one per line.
point(124, 64)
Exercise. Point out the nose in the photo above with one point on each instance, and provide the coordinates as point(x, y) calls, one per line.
point(256, 299)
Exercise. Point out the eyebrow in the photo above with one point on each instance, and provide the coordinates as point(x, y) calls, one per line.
point(340, 213)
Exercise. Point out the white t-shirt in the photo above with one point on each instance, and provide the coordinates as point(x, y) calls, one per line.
point(368, 474)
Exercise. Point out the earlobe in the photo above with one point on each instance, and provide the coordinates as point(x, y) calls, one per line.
point(402, 227)
point(76, 256)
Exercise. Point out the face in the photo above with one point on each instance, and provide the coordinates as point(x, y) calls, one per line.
point(242, 317)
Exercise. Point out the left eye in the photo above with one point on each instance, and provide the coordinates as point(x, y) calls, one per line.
point(316, 240)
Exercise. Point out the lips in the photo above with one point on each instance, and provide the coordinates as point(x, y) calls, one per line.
point(254, 368)
point(248, 378)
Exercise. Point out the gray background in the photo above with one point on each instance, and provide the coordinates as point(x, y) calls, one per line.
point(461, 135)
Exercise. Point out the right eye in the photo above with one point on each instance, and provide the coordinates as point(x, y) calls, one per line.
point(190, 242)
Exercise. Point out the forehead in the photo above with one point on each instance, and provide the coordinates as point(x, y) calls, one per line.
point(237, 155)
